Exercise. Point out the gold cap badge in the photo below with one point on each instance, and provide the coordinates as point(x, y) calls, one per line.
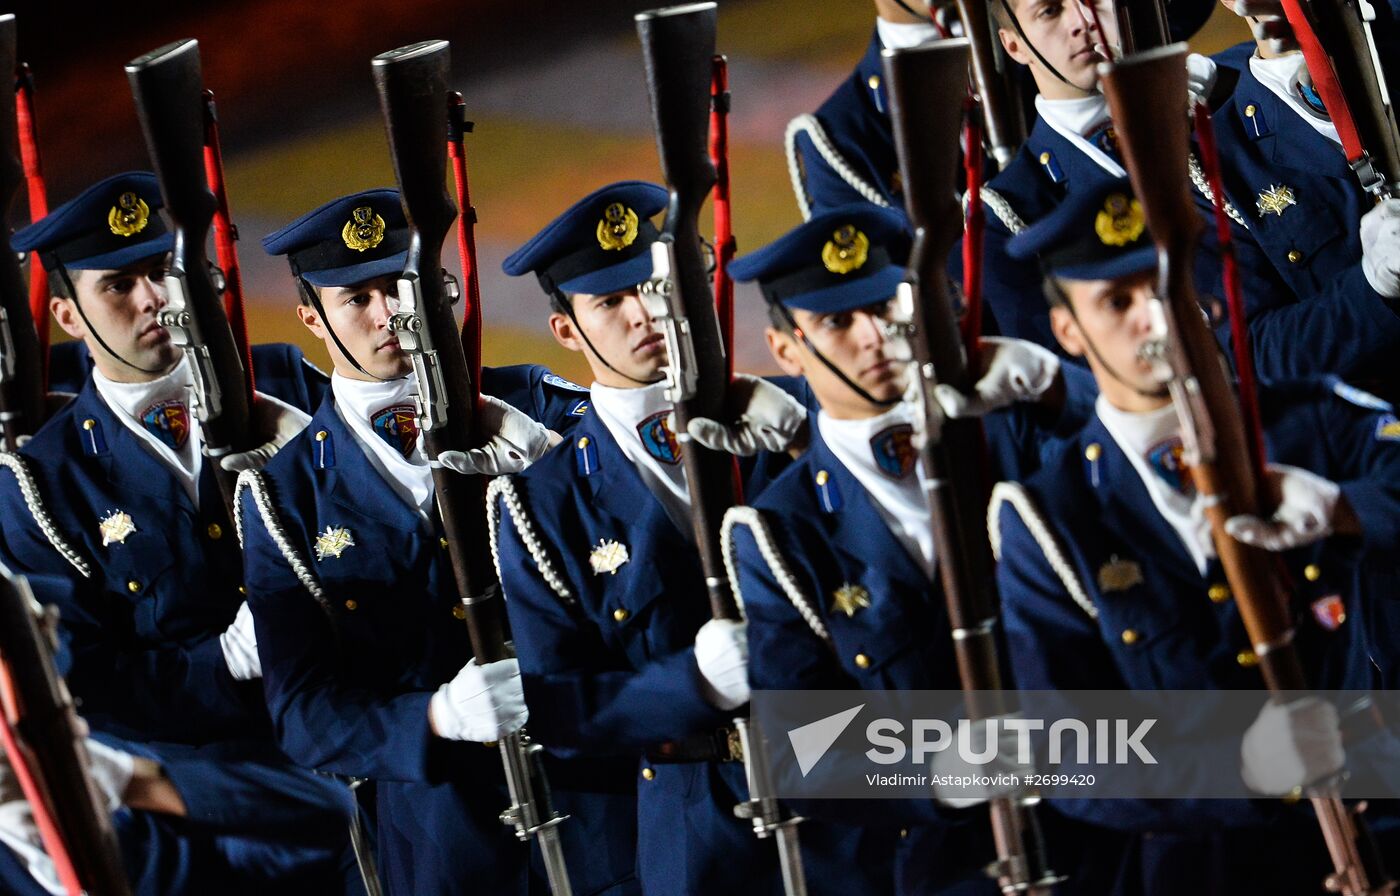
point(849, 598)
point(1274, 200)
point(364, 230)
point(1119, 575)
point(846, 251)
point(608, 557)
point(129, 216)
point(333, 542)
point(116, 527)
point(1120, 222)
point(618, 228)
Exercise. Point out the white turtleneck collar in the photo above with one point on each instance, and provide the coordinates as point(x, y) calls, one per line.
point(902, 35)
point(638, 420)
point(1141, 436)
point(363, 405)
point(1074, 119)
point(161, 414)
point(1280, 75)
point(879, 453)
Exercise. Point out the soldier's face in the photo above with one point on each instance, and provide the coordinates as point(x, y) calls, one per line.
point(620, 330)
point(1063, 32)
point(121, 306)
point(1112, 321)
point(856, 342)
point(359, 315)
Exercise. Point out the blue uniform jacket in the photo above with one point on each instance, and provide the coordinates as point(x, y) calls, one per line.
point(1177, 629)
point(348, 681)
point(1309, 307)
point(611, 671)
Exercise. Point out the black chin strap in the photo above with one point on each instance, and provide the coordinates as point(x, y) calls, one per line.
point(62, 273)
point(829, 365)
point(568, 306)
point(1016, 24)
point(314, 295)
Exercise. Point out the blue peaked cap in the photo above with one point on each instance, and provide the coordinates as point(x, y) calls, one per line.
point(113, 223)
point(346, 241)
point(601, 245)
point(836, 261)
point(1096, 234)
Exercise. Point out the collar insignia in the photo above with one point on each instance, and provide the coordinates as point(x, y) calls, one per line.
point(333, 542)
point(1274, 200)
point(618, 227)
point(364, 230)
point(1120, 222)
point(168, 421)
point(1388, 429)
point(1330, 612)
point(1119, 575)
point(658, 439)
point(608, 557)
point(116, 527)
point(129, 216)
point(846, 251)
point(894, 450)
point(849, 598)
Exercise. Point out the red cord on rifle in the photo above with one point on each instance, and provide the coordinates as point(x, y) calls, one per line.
point(974, 229)
point(225, 237)
point(724, 226)
point(1324, 80)
point(38, 207)
point(1234, 296)
point(457, 129)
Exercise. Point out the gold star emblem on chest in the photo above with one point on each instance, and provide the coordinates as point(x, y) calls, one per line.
point(333, 542)
point(608, 557)
point(115, 527)
point(1274, 200)
point(1119, 574)
point(849, 598)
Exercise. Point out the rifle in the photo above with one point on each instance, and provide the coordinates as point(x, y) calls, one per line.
point(926, 109)
point(412, 85)
point(1145, 96)
point(994, 79)
point(678, 44)
point(1142, 25)
point(168, 88)
point(724, 222)
point(21, 360)
point(43, 737)
point(226, 237)
point(457, 129)
point(38, 206)
point(1340, 49)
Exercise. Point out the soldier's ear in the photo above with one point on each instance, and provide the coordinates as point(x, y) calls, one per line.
point(311, 320)
point(565, 332)
point(783, 346)
point(1066, 329)
point(67, 316)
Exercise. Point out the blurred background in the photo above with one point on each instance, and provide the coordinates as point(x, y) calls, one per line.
point(555, 89)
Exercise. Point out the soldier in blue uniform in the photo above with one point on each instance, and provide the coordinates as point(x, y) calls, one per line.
point(368, 665)
point(604, 588)
point(1135, 597)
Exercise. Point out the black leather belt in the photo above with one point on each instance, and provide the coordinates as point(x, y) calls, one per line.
point(718, 745)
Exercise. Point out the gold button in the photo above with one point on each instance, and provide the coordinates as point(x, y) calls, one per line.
point(1295, 256)
point(903, 833)
point(822, 477)
point(89, 423)
point(873, 81)
point(322, 436)
point(1247, 659)
point(352, 605)
point(649, 774)
point(1312, 572)
point(1249, 110)
point(215, 531)
point(133, 586)
point(621, 615)
point(1218, 593)
point(1292, 796)
point(1044, 158)
point(1094, 451)
point(459, 611)
point(243, 589)
point(583, 442)
point(1130, 636)
point(442, 542)
point(862, 661)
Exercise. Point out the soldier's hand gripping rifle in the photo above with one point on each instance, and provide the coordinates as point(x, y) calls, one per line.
point(1146, 94)
point(168, 87)
point(926, 107)
point(412, 85)
point(48, 749)
point(678, 44)
point(21, 359)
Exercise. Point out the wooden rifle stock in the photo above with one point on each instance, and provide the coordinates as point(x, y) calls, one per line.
point(1142, 25)
point(1147, 99)
point(168, 87)
point(678, 44)
point(992, 77)
point(926, 107)
point(47, 724)
point(21, 359)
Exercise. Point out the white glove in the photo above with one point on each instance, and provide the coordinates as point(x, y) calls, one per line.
point(111, 770)
point(1380, 248)
point(19, 832)
point(768, 421)
point(516, 442)
point(481, 704)
point(722, 653)
point(1303, 516)
point(1006, 769)
point(1291, 745)
point(240, 644)
point(1016, 371)
point(269, 415)
point(1200, 78)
